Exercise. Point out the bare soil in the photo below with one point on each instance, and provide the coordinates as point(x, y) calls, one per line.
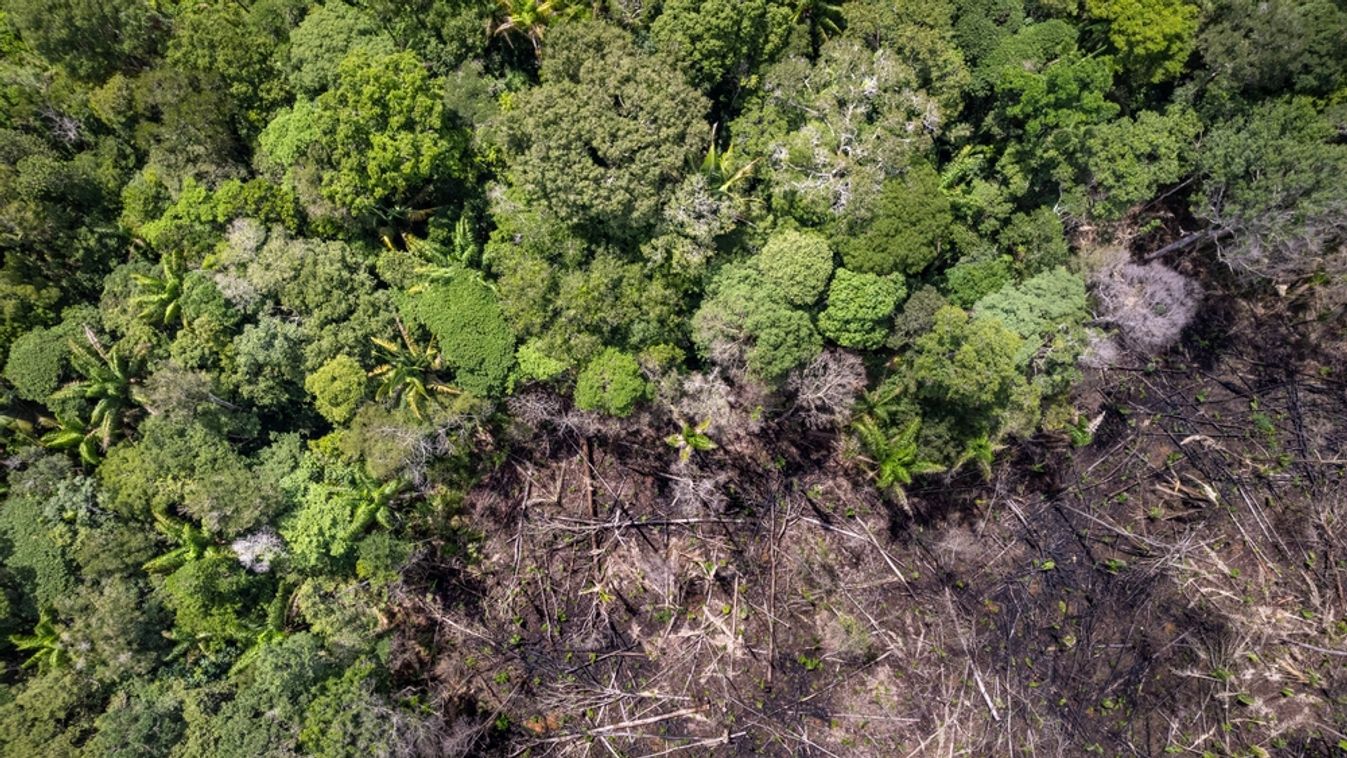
point(1174, 587)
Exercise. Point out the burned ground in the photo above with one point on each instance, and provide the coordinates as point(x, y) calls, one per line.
point(1176, 585)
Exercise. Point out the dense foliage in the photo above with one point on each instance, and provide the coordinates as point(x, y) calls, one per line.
point(273, 272)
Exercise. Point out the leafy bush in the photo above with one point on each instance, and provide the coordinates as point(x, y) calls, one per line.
point(971, 279)
point(611, 383)
point(35, 363)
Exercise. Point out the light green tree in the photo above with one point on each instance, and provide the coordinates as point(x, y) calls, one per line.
point(338, 386)
point(1154, 38)
point(797, 265)
point(611, 383)
point(859, 307)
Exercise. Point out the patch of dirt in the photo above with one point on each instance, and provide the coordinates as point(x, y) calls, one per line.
point(1177, 586)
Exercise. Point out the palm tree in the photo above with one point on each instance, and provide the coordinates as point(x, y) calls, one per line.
point(408, 374)
point(982, 451)
point(372, 502)
point(721, 167)
point(19, 430)
point(443, 265)
point(895, 458)
point(272, 631)
point(45, 643)
point(530, 18)
point(193, 545)
point(162, 297)
point(73, 434)
point(823, 17)
point(691, 439)
point(109, 383)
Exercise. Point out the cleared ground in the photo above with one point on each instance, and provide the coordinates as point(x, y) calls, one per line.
point(1175, 586)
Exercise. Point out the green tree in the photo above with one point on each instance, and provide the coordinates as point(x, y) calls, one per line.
point(1044, 116)
point(1154, 38)
point(859, 306)
point(608, 134)
point(56, 212)
point(797, 265)
point(323, 39)
point(336, 506)
point(265, 714)
point(268, 367)
point(968, 365)
point(348, 717)
point(908, 228)
point(1128, 160)
point(980, 25)
point(90, 38)
point(720, 42)
point(338, 387)
point(1274, 47)
point(233, 49)
point(37, 540)
point(145, 718)
point(1271, 182)
point(976, 276)
point(23, 307)
point(1036, 241)
point(213, 601)
point(49, 714)
point(611, 383)
point(444, 34)
point(114, 629)
point(39, 357)
point(743, 324)
point(831, 132)
point(383, 137)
